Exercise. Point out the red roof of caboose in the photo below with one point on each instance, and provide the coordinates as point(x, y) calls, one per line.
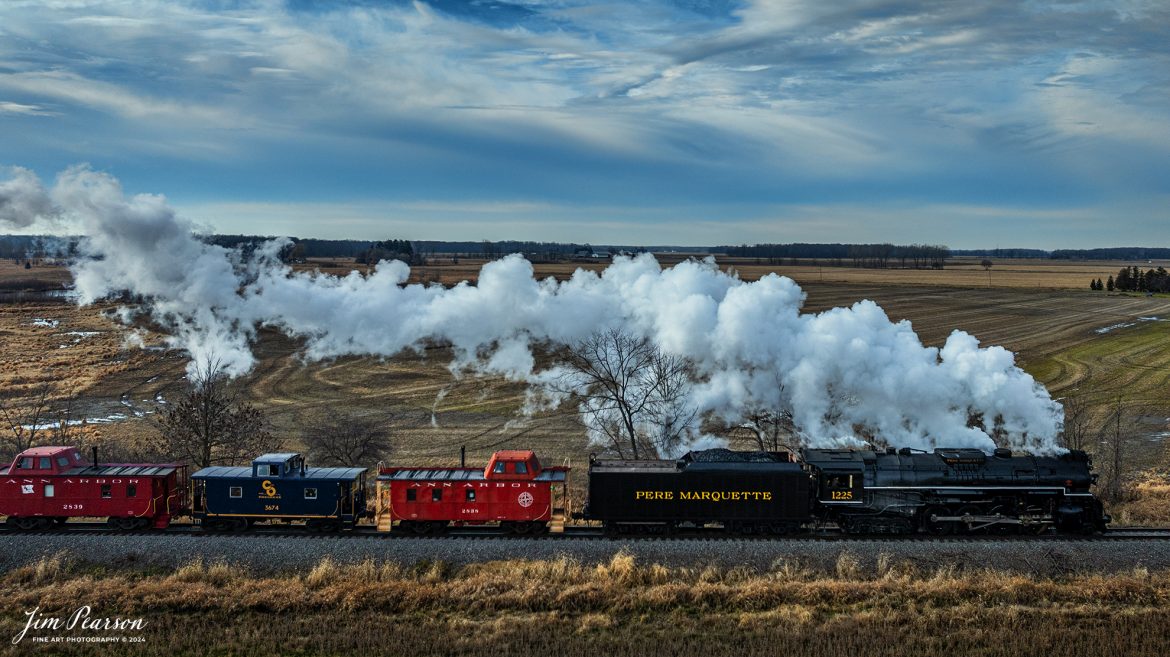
point(503, 465)
point(47, 450)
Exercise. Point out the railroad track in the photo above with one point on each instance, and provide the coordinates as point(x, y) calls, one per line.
point(585, 533)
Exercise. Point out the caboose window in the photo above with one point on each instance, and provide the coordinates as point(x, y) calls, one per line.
point(470, 494)
point(26, 463)
point(310, 493)
point(106, 492)
point(499, 467)
point(236, 491)
point(437, 495)
point(521, 467)
point(131, 490)
point(45, 463)
point(62, 461)
point(49, 491)
point(410, 494)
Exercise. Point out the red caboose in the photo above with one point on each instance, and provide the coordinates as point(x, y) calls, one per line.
point(48, 485)
point(513, 491)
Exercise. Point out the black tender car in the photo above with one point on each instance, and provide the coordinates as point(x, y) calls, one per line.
point(747, 492)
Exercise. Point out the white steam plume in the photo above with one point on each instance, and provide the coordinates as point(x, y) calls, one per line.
point(843, 373)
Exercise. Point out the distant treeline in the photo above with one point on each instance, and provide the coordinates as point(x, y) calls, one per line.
point(1115, 253)
point(1111, 253)
point(917, 256)
point(20, 247)
point(922, 256)
point(417, 251)
point(1001, 253)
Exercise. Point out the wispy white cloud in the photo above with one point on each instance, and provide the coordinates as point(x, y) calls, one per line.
point(20, 108)
point(644, 104)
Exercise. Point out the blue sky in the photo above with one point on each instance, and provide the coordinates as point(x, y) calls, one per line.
point(972, 124)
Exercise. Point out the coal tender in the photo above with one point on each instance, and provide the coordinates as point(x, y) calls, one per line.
point(743, 492)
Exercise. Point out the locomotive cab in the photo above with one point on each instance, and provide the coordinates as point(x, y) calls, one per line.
point(840, 475)
point(841, 487)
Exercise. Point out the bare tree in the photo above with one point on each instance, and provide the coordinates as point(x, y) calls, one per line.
point(26, 423)
point(212, 425)
point(772, 429)
point(341, 439)
point(42, 420)
point(1076, 432)
point(633, 394)
point(1115, 443)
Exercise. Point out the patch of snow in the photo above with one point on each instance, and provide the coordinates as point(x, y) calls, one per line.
point(50, 323)
point(1105, 329)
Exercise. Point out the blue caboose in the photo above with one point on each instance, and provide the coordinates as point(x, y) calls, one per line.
point(278, 487)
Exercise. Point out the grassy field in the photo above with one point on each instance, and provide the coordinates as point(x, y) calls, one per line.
point(618, 608)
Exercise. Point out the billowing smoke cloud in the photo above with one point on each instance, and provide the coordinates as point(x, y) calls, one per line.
point(23, 200)
point(842, 374)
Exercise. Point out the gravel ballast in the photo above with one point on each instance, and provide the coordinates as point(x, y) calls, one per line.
point(291, 553)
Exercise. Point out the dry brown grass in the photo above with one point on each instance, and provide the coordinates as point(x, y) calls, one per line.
point(1147, 503)
point(39, 276)
point(620, 607)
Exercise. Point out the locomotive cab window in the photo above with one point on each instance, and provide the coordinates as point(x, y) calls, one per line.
point(236, 491)
point(841, 487)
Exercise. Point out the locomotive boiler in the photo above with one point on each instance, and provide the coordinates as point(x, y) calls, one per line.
point(953, 491)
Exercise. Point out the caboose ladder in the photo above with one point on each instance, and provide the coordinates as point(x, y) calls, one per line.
point(561, 513)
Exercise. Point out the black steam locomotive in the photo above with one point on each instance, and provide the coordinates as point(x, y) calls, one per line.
point(947, 491)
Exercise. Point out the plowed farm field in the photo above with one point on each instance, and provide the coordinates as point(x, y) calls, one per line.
point(1069, 338)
